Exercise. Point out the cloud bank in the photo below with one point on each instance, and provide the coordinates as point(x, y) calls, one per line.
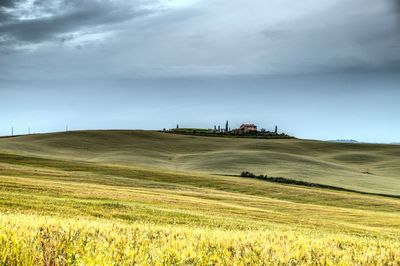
point(115, 39)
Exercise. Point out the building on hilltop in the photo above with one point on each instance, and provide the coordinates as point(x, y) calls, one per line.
point(247, 128)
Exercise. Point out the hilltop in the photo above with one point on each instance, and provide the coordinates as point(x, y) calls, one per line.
point(363, 167)
point(244, 131)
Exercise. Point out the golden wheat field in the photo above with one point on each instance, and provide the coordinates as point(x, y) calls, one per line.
point(34, 240)
point(82, 198)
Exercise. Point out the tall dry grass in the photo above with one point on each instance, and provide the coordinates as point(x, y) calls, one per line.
point(38, 240)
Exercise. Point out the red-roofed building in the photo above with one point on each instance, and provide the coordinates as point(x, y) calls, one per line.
point(247, 128)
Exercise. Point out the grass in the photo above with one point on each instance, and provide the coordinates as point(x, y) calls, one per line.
point(362, 167)
point(49, 241)
point(66, 200)
point(282, 180)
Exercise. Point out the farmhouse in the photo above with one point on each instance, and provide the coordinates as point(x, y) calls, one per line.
point(247, 128)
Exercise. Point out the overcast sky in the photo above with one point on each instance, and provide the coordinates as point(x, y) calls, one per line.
point(318, 69)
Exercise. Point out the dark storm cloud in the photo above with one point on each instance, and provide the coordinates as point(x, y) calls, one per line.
point(8, 3)
point(396, 4)
point(4, 4)
point(181, 38)
point(348, 36)
point(67, 17)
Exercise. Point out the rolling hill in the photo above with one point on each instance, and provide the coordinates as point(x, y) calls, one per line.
point(148, 198)
point(362, 167)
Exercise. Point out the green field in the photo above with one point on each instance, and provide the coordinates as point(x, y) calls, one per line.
point(125, 197)
point(362, 167)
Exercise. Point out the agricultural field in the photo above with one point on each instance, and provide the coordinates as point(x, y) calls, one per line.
point(362, 167)
point(148, 198)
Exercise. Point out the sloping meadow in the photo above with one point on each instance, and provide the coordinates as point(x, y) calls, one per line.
point(67, 210)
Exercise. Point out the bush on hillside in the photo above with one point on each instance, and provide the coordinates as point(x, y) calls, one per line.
point(251, 175)
point(283, 180)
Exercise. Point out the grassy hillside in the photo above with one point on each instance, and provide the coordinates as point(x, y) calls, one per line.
point(59, 212)
point(363, 167)
point(115, 197)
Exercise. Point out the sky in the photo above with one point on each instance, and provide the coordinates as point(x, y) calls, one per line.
point(317, 69)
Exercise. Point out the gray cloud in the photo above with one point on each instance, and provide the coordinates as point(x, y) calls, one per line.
point(68, 16)
point(397, 5)
point(8, 3)
point(396, 8)
point(4, 15)
point(152, 38)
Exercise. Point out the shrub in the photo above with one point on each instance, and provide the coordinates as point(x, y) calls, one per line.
point(247, 174)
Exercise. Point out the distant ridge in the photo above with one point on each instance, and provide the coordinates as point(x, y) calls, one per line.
point(344, 141)
point(361, 142)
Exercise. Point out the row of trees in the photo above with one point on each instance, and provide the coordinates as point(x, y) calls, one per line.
point(283, 180)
